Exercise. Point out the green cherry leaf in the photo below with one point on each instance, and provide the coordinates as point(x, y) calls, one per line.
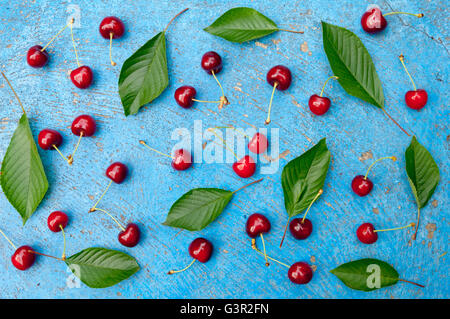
point(144, 75)
point(198, 208)
point(422, 171)
point(366, 274)
point(101, 267)
point(23, 177)
point(351, 62)
point(242, 24)
point(304, 176)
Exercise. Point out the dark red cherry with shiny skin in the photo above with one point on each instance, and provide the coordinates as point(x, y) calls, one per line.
point(57, 219)
point(245, 167)
point(37, 58)
point(258, 144)
point(373, 21)
point(300, 273)
point(130, 236)
point(117, 172)
point(84, 124)
point(366, 233)
point(362, 186)
point(257, 224)
point(82, 77)
point(111, 25)
point(48, 138)
point(416, 99)
point(182, 159)
point(201, 249)
point(281, 75)
point(23, 258)
point(319, 105)
point(211, 61)
point(300, 230)
point(184, 95)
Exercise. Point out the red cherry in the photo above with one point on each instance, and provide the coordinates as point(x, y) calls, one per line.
point(416, 99)
point(201, 249)
point(184, 95)
point(117, 172)
point(82, 77)
point(373, 21)
point(300, 273)
point(57, 219)
point(366, 233)
point(362, 186)
point(130, 236)
point(211, 61)
point(300, 230)
point(23, 258)
point(48, 138)
point(281, 75)
point(37, 58)
point(84, 124)
point(245, 167)
point(258, 143)
point(319, 105)
point(257, 224)
point(182, 160)
point(111, 25)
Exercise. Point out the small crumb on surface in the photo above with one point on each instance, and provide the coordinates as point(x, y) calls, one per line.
point(431, 228)
point(434, 203)
point(376, 211)
point(365, 156)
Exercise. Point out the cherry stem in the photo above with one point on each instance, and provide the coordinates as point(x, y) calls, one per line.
point(114, 219)
point(223, 142)
point(285, 230)
point(203, 101)
point(292, 31)
point(396, 228)
point(110, 49)
point(175, 18)
point(323, 87)
point(411, 282)
point(56, 35)
point(9, 240)
point(320, 192)
point(402, 60)
point(395, 122)
point(254, 182)
point(418, 15)
point(264, 249)
point(12, 89)
point(98, 201)
point(62, 155)
point(393, 158)
point(270, 103)
point(63, 257)
point(417, 223)
point(185, 268)
point(41, 254)
point(156, 151)
point(70, 157)
point(268, 257)
point(73, 42)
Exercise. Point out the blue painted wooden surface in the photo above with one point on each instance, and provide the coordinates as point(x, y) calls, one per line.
point(352, 128)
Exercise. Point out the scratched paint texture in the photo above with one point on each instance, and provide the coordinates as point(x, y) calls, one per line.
point(355, 132)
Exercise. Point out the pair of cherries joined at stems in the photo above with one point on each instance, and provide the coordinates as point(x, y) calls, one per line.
point(82, 126)
point(24, 256)
point(244, 167)
point(110, 28)
point(258, 224)
point(128, 236)
point(185, 95)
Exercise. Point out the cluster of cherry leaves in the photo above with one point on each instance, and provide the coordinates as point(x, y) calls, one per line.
point(25, 184)
point(353, 65)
